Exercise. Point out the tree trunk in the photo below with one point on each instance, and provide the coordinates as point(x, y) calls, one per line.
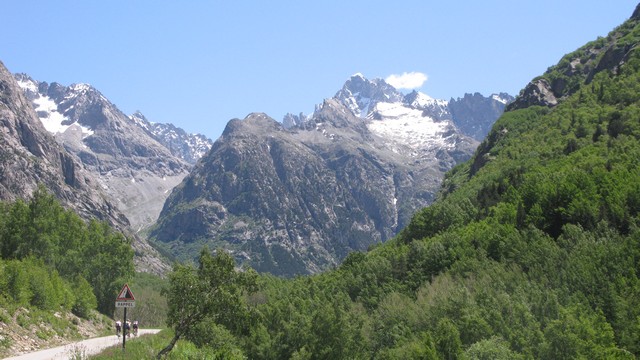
point(168, 347)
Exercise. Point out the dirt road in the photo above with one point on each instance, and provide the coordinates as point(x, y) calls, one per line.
point(79, 349)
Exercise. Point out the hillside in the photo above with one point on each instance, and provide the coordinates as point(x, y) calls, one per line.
point(532, 249)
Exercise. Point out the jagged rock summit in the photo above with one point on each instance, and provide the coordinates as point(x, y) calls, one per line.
point(296, 197)
point(187, 147)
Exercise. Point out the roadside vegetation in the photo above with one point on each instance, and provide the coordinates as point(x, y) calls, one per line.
point(56, 272)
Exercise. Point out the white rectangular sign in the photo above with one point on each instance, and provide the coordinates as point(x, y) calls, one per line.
point(128, 304)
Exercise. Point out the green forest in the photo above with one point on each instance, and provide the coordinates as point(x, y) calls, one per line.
point(531, 251)
point(51, 259)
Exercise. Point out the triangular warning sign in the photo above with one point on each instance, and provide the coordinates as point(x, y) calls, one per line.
point(125, 294)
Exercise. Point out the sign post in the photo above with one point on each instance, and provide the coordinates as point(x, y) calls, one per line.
point(125, 300)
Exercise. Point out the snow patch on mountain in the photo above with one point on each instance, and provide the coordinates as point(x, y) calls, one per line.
point(498, 98)
point(53, 120)
point(27, 84)
point(400, 123)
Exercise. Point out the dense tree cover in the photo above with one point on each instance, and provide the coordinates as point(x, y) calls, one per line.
point(531, 251)
point(52, 259)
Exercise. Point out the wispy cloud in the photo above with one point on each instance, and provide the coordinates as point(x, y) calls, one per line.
point(406, 80)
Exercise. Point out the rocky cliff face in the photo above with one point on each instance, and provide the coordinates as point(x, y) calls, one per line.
point(30, 156)
point(296, 199)
point(134, 170)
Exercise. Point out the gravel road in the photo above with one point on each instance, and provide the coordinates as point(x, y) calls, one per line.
point(85, 347)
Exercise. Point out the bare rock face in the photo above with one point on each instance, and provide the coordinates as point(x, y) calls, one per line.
point(474, 114)
point(30, 156)
point(536, 93)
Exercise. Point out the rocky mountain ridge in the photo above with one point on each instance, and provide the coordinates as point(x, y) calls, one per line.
point(296, 197)
point(473, 114)
point(185, 146)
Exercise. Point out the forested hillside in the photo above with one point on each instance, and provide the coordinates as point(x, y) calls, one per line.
point(53, 262)
point(531, 251)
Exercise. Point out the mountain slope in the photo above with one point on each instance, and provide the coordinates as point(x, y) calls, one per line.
point(31, 157)
point(287, 202)
point(550, 201)
point(131, 157)
point(297, 199)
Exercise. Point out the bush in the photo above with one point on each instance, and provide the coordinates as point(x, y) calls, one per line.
point(85, 299)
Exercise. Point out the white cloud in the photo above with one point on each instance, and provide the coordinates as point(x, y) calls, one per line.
point(411, 80)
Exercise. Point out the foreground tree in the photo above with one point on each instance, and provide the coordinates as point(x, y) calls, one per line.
point(213, 293)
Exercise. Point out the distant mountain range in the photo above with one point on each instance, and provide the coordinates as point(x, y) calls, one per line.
point(136, 162)
point(296, 197)
point(290, 197)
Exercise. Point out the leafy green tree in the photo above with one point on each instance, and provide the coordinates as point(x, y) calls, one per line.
point(493, 348)
point(448, 340)
point(14, 227)
point(43, 294)
point(85, 300)
point(106, 259)
point(17, 283)
point(215, 293)
point(419, 348)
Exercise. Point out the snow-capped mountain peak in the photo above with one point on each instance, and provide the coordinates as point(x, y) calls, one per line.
point(54, 117)
point(421, 100)
point(81, 87)
point(361, 95)
point(27, 83)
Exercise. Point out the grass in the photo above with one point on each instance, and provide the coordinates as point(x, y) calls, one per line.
point(148, 346)
point(143, 347)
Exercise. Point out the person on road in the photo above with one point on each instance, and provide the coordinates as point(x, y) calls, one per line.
point(135, 328)
point(127, 327)
point(118, 328)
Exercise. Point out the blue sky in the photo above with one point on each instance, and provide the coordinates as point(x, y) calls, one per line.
point(198, 64)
